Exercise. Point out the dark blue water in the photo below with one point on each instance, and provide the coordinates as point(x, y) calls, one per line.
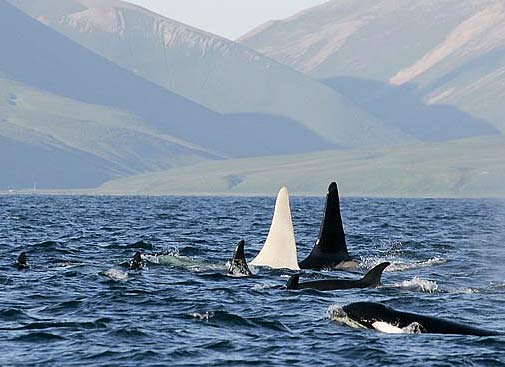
point(448, 260)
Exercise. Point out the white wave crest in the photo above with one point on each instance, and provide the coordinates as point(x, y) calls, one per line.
point(206, 316)
point(418, 284)
point(399, 264)
point(264, 286)
point(115, 274)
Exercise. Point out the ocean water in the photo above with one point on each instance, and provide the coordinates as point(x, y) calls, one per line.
point(76, 305)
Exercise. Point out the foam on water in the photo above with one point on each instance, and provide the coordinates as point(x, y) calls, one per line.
point(115, 274)
point(205, 316)
point(399, 264)
point(418, 284)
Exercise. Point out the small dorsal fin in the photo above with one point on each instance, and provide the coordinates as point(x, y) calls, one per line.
point(293, 282)
point(238, 265)
point(330, 247)
point(21, 261)
point(136, 262)
point(373, 278)
point(279, 250)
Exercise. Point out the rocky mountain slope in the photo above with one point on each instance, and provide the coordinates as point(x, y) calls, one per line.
point(71, 118)
point(444, 52)
point(217, 73)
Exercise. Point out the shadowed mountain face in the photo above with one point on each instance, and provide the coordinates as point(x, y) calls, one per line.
point(46, 166)
point(71, 119)
point(37, 56)
point(400, 107)
point(451, 51)
point(217, 73)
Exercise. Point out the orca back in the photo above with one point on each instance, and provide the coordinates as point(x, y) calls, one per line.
point(367, 313)
point(21, 261)
point(373, 278)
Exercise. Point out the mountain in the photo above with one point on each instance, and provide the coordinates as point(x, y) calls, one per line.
point(70, 118)
point(449, 52)
point(60, 142)
point(463, 168)
point(219, 74)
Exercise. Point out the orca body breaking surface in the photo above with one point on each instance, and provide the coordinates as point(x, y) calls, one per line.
point(21, 263)
point(330, 249)
point(136, 262)
point(370, 280)
point(238, 264)
point(279, 250)
point(377, 316)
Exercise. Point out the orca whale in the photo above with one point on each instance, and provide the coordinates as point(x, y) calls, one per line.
point(383, 318)
point(238, 264)
point(279, 250)
point(136, 262)
point(370, 280)
point(330, 249)
point(21, 261)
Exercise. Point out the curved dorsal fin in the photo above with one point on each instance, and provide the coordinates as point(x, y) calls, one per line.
point(373, 278)
point(279, 250)
point(238, 265)
point(293, 282)
point(330, 248)
point(21, 261)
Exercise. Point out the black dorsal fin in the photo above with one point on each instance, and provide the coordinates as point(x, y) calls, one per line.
point(293, 282)
point(373, 278)
point(136, 262)
point(21, 262)
point(330, 248)
point(238, 265)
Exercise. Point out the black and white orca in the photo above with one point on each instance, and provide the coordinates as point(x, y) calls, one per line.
point(383, 318)
point(371, 280)
point(238, 264)
point(330, 250)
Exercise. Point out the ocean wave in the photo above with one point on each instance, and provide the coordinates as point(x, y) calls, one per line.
point(399, 264)
point(204, 316)
point(418, 284)
point(430, 286)
point(174, 259)
point(115, 274)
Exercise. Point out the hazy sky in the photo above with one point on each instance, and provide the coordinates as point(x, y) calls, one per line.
point(228, 18)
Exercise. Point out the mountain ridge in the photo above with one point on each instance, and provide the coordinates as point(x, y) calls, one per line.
point(452, 51)
point(224, 76)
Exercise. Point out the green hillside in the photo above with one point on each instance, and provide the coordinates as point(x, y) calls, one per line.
point(466, 168)
point(117, 143)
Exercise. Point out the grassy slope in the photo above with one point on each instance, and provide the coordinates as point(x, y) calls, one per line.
point(466, 168)
point(118, 142)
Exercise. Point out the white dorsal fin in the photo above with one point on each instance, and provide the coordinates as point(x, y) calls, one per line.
point(279, 250)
